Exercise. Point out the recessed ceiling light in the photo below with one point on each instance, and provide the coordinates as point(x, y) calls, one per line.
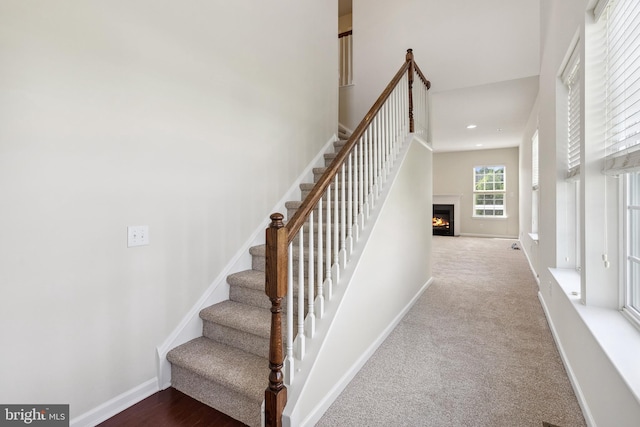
point(472, 126)
point(478, 145)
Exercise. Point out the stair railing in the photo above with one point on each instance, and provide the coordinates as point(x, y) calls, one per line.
point(331, 218)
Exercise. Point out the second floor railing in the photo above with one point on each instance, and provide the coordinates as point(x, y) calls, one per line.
point(346, 57)
point(305, 256)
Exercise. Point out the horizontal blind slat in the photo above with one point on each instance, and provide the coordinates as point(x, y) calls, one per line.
point(622, 140)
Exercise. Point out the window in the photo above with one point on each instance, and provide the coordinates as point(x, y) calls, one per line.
point(622, 133)
point(489, 191)
point(571, 79)
point(632, 251)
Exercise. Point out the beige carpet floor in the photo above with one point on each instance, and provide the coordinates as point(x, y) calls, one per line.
point(475, 350)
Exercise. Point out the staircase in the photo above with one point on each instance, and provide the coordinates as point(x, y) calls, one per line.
point(228, 366)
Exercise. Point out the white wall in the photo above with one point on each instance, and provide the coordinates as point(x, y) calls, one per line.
point(192, 118)
point(384, 30)
point(453, 175)
point(593, 338)
point(393, 269)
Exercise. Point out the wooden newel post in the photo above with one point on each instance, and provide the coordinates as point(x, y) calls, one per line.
point(409, 59)
point(275, 395)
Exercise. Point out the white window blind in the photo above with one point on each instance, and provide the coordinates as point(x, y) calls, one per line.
point(622, 142)
point(571, 78)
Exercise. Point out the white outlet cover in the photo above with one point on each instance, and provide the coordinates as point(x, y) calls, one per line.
point(137, 235)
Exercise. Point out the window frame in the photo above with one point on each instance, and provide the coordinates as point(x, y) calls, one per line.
point(493, 192)
point(535, 182)
point(631, 253)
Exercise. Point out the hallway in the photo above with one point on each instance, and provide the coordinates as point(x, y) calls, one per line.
point(475, 350)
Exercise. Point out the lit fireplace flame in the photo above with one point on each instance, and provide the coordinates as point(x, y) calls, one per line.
point(440, 222)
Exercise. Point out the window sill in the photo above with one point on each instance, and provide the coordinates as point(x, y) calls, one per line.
point(618, 338)
point(489, 217)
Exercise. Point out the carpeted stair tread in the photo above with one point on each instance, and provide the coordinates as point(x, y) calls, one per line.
point(242, 317)
point(258, 250)
point(252, 279)
point(319, 171)
point(233, 368)
point(339, 143)
point(255, 280)
point(329, 157)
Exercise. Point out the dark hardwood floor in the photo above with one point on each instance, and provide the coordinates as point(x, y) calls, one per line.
point(171, 408)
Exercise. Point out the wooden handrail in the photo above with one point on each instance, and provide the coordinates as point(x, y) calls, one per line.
point(279, 236)
point(298, 219)
point(426, 82)
point(345, 34)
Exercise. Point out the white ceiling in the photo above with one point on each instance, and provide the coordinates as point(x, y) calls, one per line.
point(482, 59)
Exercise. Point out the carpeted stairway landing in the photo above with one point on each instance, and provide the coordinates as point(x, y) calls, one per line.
point(227, 368)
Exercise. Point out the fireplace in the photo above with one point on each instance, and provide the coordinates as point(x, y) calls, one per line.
point(443, 220)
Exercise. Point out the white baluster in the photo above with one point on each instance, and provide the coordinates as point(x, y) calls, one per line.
point(328, 281)
point(349, 242)
point(343, 62)
point(370, 171)
point(320, 297)
point(356, 226)
point(343, 219)
point(350, 59)
point(361, 199)
point(416, 114)
point(400, 111)
point(396, 125)
point(379, 143)
point(391, 141)
point(388, 147)
point(335, 268)
point(310, 320)
point(375, 137)
point(299, 342)
point(365, 155)
point(289, 365)
point(417, 92)
point(382, 143)
point(405, 100)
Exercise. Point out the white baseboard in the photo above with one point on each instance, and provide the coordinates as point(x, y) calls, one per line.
point(565, 361)
point(490, 236)
point(191, 325)
point(533, 270)
point(116, 405)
